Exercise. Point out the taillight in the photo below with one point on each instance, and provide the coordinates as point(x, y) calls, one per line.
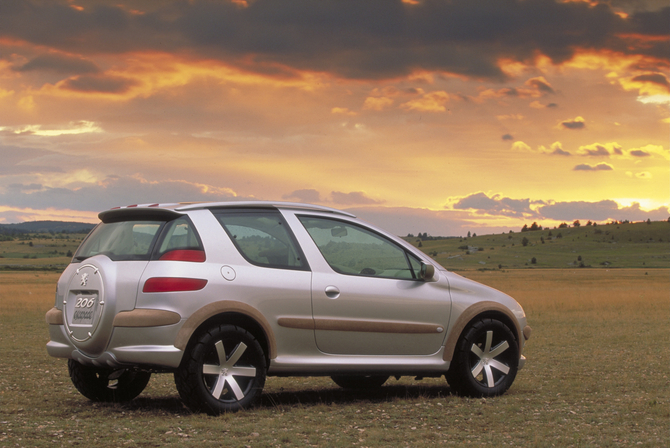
point(173, 284)
point(197, 256)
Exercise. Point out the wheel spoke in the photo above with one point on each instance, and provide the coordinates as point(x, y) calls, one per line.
point(243, 371)
point(218, 387)
point(235, 356)
point(499, 366)
point(221, 352)
point(489, 340)
point(477, 351)
point(235, 387)
point(477, 369)
point(490, 382)
point(504, 345)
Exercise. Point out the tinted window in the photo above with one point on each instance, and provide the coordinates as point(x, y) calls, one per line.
point(125, 240)
point(354, 250)
point(179, 234)
point(263, 238)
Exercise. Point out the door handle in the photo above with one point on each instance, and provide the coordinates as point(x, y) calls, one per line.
point(332, 292)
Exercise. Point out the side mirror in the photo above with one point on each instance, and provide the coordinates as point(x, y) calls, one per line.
point(427, 272)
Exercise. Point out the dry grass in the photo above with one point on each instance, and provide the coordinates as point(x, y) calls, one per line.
point(597, 375)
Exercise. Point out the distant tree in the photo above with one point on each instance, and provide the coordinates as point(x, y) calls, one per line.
point(576, 223)
point(468, 234)
point(563, 225)
point(533, 260)
point(410, 235)
point(420, 245)
point(30, 244)
point(542, 239)
point(474, 235)
point(589, 223)
point(524, 241)
point(524, 228)
point(559, 235)
point(648, 221)
point(69, 253)
point(534, 226)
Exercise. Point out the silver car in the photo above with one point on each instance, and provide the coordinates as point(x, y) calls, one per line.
point(224, 294)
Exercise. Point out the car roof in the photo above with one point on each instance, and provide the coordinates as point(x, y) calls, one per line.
point(169, 210)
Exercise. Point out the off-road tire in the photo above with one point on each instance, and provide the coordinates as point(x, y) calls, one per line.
point(107, 385)
point(485, 361)
point(223, 371)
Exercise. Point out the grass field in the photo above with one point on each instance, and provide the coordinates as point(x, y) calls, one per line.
point(597, 375)
point(638, 245)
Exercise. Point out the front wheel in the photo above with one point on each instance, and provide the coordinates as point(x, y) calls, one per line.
point(223, 372)
point(486, 360)
point(107, 385)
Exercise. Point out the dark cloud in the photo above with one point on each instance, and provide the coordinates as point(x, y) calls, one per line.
point(353, 198)
point(57, 63)
point(654, 78)
point(598, 167)
point(574, 124)
point(24, 160)
point(101, 84)
point(639, 153)
point(560, 152)
point(351, 38)
point(111, 192)
point(305, 195)
point(507, 137)
point(541, 85)
point(495, 205)
point(600, 211)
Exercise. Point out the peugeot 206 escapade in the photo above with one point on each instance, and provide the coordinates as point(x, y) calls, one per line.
point(224, 294)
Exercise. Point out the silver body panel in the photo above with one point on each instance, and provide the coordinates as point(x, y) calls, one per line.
point(317, 321)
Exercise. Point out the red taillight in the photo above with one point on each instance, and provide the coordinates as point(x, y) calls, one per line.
point(197, 256)
point(173, 284)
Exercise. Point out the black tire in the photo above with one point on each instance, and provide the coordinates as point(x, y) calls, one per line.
point(359, 381)
point(485, 361)
point(107, 385)
point(224, 371)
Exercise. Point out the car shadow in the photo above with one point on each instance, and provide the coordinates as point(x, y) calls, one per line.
point(304, 398)
point(335, 396)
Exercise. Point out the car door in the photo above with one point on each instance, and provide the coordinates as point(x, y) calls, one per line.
point(367, 298)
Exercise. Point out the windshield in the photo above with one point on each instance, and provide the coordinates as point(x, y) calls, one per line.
point(126, 240)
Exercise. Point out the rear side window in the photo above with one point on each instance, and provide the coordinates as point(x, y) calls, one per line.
point(120, 241)
point(263, 238)
point(180, 241)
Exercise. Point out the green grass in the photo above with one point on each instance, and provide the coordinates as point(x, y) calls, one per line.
point(38, 251)
point(597, 376)
point(638, 245)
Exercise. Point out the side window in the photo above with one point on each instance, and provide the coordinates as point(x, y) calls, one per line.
point(180, 241)
point(263, 238)
point(353, 250)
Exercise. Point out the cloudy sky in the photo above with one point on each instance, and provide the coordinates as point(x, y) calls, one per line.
point(430, 116)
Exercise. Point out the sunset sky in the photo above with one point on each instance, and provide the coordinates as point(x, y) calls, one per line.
point(418, 115)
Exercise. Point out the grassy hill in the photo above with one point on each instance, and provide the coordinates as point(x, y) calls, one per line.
point(630, 245)
point(638, 245)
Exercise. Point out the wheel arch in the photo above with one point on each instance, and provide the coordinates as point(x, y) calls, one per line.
point(477, 311)
point(229, 312)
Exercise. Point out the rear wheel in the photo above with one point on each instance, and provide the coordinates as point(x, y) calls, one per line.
point(223, 372)
point(486, 360)
point(359, 381)
point(107, 385)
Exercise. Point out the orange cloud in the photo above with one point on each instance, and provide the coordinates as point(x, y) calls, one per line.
point(430, 102)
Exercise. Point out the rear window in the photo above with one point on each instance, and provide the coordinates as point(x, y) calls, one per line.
point(120, 241)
